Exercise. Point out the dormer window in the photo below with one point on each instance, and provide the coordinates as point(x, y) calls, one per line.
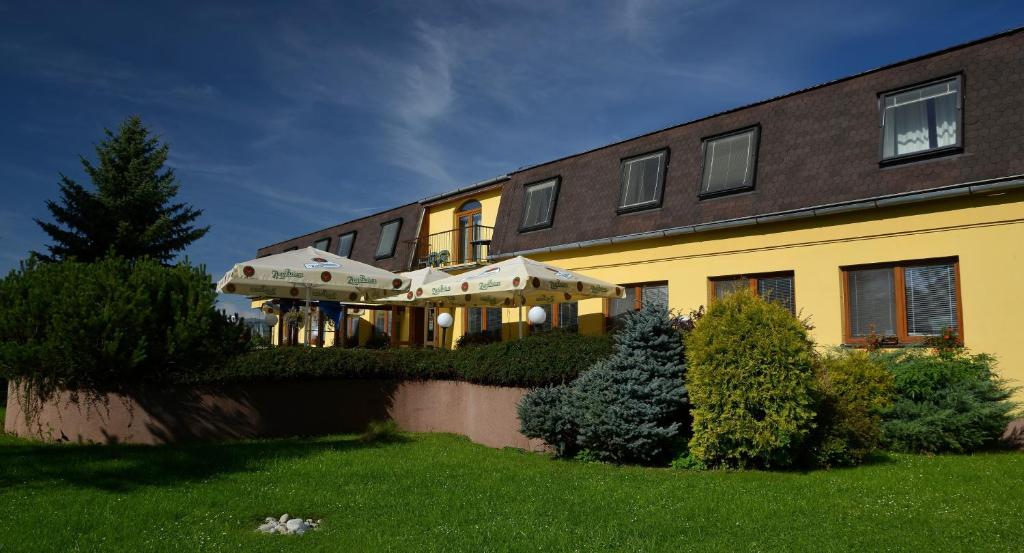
point(730, 162)
point(921, 120)
point(388, 238)
point(642, 179)
point(539, 207)
point(345, 243)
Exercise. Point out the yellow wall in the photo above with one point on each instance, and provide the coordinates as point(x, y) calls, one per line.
point(441, 217)
point(986, 233)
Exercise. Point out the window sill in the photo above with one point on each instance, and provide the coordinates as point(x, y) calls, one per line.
point(720, 193)
point(533, 228)
point(921, 156)
point(638, 208)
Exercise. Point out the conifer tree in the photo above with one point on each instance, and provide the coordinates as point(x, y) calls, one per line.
point(628, 408)
point(131, 212)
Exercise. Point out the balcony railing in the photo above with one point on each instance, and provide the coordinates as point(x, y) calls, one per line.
point(461, 246)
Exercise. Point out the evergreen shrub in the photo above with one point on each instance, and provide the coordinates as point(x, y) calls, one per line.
point(853, 391)
point(628, 408)
point(99, 326)
point(751, 384)
point(948, 402)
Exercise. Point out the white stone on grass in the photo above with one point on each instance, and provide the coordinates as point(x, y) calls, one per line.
point(287, 526)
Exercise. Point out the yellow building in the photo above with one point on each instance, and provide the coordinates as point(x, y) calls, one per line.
point(885, 207)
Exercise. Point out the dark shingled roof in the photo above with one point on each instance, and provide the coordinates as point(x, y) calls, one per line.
point(367, 236)
point(817, 146)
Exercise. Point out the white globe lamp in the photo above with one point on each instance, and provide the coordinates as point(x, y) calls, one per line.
point(270, 319)
point(537, 315)
point(444, 320)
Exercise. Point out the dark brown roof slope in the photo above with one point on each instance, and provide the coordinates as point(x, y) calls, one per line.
point(818, 146)
point(367, 236)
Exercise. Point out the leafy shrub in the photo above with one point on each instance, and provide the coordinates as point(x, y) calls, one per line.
point(750, 380)
point(477, 339)
point(537, 360)
point(853, 391)
point(686, 461)
point(381, 432)
point(628, 408)
point(378, 340)
point(945, 403)
point(103, 325)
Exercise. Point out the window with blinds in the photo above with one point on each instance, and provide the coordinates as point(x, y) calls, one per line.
point(493, 320)
point(388, 238)
point(641, 180)
point(872, 302)
point(636, 296)
point(568, 316)
point(930, 299)
point(776, 287)
point(483, 320)
point(539, 207)
point(729, 162)
point(906, 302)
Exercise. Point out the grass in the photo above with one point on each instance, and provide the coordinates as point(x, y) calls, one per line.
point(433, 492)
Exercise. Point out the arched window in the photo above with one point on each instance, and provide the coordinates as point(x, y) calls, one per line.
point(471, 205)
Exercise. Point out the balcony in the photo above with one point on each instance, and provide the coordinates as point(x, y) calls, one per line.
point(467, 245)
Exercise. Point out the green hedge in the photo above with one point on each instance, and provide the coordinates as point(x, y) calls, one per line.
point(536, 360)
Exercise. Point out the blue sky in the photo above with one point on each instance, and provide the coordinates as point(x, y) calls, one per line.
point(287, 117)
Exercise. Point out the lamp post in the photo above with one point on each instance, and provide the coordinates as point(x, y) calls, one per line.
point(444, 320)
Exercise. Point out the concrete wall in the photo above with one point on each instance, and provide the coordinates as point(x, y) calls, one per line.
point(485, 414)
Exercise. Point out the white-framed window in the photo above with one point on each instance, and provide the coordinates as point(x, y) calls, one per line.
point(730, 162)
point(921, 119)
point(539, 206)
point(641, 181)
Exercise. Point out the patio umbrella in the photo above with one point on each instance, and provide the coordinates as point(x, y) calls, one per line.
point(310, 274)
point(514, 283)
point(417, 279)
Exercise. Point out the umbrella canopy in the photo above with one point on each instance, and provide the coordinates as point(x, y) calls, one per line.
point(515, 282)
point(417, 279)
point(311, 274)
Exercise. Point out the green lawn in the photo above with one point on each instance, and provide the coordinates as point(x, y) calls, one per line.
point(439, 492)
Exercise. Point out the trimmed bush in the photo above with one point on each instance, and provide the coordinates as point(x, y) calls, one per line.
point(628, 408)
point(853, 391)
point(750, 380)
point(99, 326)
point(952, 402)
point(543, 414)
point(538, 360)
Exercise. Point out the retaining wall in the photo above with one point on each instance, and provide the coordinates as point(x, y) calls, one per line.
point(485, 414)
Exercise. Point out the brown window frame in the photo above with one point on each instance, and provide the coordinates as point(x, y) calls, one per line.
point(752, 279)
point(483, 319)
point(638, 294)
point(902, 336)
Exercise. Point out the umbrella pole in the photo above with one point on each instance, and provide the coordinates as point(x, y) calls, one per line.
point(309, 319)
point(520, 318)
